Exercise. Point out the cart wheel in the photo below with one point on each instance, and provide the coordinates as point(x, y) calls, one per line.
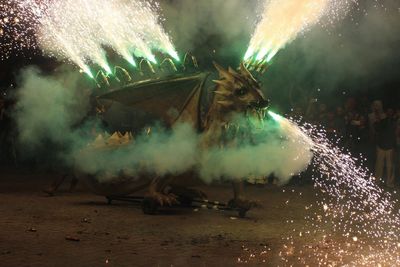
point(109, 200)
point(242, 213)
point(149, 206)
point(231, 204)
point(185, 201)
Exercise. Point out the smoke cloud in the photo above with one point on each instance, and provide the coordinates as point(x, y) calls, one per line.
point(48, 107)
point(53, 108)
point(204, 26)
point(357, 52)
point(279, 151)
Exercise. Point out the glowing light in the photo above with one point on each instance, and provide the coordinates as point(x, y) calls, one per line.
point(360, 222)
point(283, 20)
point(152, 58)
point(275, 116)
point(174, 54)
point(261, 54)
point(249, 53)
point(88, 72)
point(78, 30)
point(132, 61)
point(107, 69)
point(271, 55)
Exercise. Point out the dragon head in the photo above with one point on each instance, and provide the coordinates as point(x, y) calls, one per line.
point(238, 91)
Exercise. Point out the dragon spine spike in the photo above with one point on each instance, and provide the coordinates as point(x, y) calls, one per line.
point(225, 103)
point(233, 72)
point(223, 73)
point(170, 62)
point(223, 93)
point(224, 83)
point(245, 72)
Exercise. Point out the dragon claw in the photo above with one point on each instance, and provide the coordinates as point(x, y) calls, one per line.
point(189, 193)
point(164, 199)
point(241, 203)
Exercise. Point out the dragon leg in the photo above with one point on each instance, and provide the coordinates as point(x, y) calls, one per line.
point(157, 191)
point(239, 201)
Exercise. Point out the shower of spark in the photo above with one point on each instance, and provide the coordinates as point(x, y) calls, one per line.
point(283, 20)
point(17, 28)
point(80, 30)
point(356, 223)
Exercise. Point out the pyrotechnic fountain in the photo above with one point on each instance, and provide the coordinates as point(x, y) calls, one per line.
point(130, 28)
point(283, 21)
point(79, 31)
point(364, 223)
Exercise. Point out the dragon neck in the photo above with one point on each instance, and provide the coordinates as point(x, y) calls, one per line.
point(217, 115)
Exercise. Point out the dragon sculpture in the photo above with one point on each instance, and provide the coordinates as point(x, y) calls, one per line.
point(235, 92)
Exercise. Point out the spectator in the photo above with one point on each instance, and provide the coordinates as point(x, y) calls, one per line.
point(339, 122)
point(385, 137)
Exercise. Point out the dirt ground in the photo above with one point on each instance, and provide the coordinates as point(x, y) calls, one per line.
point(81, 229)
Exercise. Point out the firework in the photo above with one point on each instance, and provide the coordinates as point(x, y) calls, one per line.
point(283, 20)
point(17, 28)
point(356, 222)
point(79, 30)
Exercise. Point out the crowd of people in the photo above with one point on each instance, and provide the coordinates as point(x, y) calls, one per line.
point(367, 129)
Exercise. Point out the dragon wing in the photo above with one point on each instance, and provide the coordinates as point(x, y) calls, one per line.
point(164, 98)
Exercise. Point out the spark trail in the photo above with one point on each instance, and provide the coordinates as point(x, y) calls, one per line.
point(79, 30)
point(357, 222)
point(283, 20)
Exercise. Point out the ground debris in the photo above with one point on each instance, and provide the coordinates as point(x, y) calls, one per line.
point(5, 252)
point(85, 220)
point(72, 238)
point(200, 240)
point(32, 229)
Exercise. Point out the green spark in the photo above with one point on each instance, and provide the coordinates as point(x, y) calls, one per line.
point(107, 69)
point(249, 53)
point(174, 54)
point(271, 55)
point(152, 58)
point(261, 54)
point(275, 117)
point(132, 61)
point(88, 72)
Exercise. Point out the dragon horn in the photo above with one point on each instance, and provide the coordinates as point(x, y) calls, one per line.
point(246, 72)
point(223, 83)
point(223, 93)
point(233, 72)
point(223, 73)
point(225, 103)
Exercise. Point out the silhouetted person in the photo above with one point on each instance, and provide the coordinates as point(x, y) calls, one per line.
point(385, 138)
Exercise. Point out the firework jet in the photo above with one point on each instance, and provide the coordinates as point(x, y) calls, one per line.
point(283, 20)
point(79, 29)
point(359, 212)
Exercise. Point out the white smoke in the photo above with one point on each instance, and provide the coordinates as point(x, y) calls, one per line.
point(276, 154)
point(49, 109)
point(160, 153)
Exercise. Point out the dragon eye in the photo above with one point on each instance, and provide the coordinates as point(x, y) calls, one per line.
point(241, 92)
